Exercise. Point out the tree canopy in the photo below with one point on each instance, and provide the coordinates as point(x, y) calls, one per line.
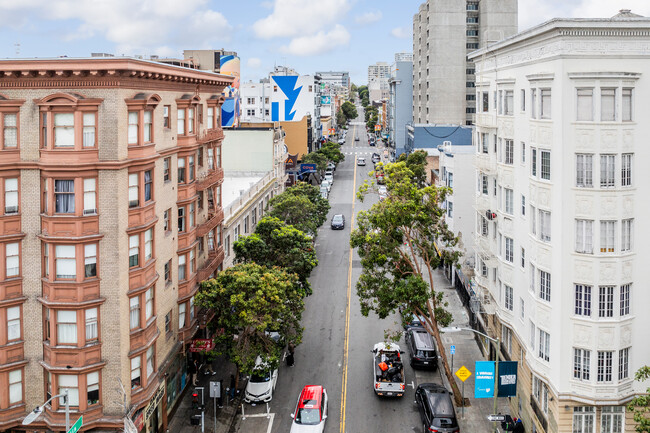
point(640, 405)
point(328, 152)
point(276, 243)
point(397, 240)
point(416, 162)
point(250, 301)
point(317, 158)
point(340, 118)
point(349, 110)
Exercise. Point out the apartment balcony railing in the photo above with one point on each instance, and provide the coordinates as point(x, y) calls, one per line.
point(210, 135)
point(214, 259)
point(485, 163)
point(209, 179)
point(215, 218)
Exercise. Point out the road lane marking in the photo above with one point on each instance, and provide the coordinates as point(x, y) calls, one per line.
point(346, 340)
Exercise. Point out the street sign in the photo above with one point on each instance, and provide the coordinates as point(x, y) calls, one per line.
point(484, 381)
point(452, 349)
point(77, 425)
point(496, 418)
point(215, 389)
point(463, 373)
point(307, 167)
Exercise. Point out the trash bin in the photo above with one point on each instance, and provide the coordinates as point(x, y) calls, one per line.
point(195, 420)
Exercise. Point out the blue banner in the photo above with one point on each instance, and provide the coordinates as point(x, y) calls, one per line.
point(507, 379)
point(484, 379)
point(307, 167)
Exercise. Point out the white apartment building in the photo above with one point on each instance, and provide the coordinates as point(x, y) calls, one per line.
point(378, 76)
point(256, 101)
point(561, 137)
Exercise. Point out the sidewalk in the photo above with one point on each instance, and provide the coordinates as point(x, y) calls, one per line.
point(467, 352)
point(180, 422)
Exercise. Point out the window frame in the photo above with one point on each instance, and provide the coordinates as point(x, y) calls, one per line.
point(10, 107)
point(139, 105)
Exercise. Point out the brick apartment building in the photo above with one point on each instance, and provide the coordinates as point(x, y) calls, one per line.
point(110, 215)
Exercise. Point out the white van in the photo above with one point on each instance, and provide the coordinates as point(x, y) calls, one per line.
point(261, 383)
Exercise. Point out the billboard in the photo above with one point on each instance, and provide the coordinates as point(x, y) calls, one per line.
point(292, 97)
point(325, 100)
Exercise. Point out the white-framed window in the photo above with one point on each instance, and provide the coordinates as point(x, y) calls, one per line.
point(149, 301)
point(626, 169)
point(626, 234)
point(584, 236)
point(625, 299)
point(627, 105)
point(606, 301)
point(545, 163)
point(66, 263)
point(585, 104)
point(509, 198)
point(509, 301)
point(134, 250)
point(136, 374)
point(90, 260)
point(133, 127)
point(509, 102)
point(509, 152)
point(581, 363)
point(607, 171)
point(70, 383)
point(544, 345)
point(545, 285)
point(150, 360)
point(510, 249)
point(624, 363)
point(540, 392)
point(180, 122)
point(607, 104)
point(134, 312)
point(531, 326)
point(607, 236)
point(92, 388)
point(582, 300)
point(584, 419)
point(210, 118)
point(148, 244)
point(523, 99)
point(544, 225)
point(545, 109)
point(12, 259)
point(134, 187)
point(11, 196)
point(533, 103)
point(604, 372)
point(15, 386)
point(532, 278)
point(523, 152)
point(522, 309)
point(91, 324)
point(533, 162)
point(611, 419)
point(181, 315)
point(13, 323)
point(66, 324)
point(584, 170)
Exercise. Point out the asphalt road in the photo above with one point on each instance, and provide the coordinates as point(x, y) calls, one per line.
point(335, 353)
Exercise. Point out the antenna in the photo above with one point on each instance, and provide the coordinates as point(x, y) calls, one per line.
point(17, 45)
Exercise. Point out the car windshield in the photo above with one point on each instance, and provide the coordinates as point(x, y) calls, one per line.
point(260, 376)
point(444, 422)
point(337, 219)
point(308, 416)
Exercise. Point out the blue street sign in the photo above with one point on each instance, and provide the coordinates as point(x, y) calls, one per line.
point(484, 379)
point(307, 167)
point(452, 349)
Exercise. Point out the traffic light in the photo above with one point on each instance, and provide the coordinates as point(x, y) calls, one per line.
point(195, 400)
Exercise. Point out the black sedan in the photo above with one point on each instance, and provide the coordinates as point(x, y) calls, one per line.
point(338, 222)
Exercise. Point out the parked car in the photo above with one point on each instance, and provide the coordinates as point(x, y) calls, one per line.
point(436, 408)
point(324, 192)
point(361, 161)
point(329, 176)
point(338, 222)
point(356, 138)
point(341, 140)
point(375, 157)
point(261, 383)
point(331, 166)
point(422, 349)
point(325, 183)
point(311, 410)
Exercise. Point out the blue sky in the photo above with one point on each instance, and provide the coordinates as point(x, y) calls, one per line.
point(308, 35)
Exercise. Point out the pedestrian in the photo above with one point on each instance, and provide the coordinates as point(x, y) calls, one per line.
point(233, 386)
point(290, 358)
point(194, 368)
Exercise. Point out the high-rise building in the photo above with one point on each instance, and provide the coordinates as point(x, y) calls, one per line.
point(110, 174)
point(561, 197)
point(400, 102)
point(335, 79)
point(378, 75)
point(444, 31)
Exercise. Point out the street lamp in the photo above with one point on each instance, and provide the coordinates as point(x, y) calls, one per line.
point(496, 365)
point(39, 410)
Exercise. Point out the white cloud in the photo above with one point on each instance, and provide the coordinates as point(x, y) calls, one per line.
point(401, 32)
point(321, 42)
point(254, 63)
point(368, 18)
point(134, 26)
point(299, 18)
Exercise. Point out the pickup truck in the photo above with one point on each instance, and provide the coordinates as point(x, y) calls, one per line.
point(388, 370)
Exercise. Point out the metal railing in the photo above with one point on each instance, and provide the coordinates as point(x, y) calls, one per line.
point(233, 207)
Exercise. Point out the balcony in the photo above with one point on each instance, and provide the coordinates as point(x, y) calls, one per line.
point(204, 316)
point(215, 219)
point(208, 179)
point(485, 163)
point(214, 260)
point(210, 135)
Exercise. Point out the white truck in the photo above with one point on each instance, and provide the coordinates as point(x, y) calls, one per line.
point(388, 370)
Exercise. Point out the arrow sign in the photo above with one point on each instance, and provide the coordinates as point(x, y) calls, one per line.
point(496, 418)
point(77, 425)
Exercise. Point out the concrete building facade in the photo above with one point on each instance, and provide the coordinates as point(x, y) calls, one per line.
point(400, 104)
point(111, 214)
point(444, 31)
point(561, 249)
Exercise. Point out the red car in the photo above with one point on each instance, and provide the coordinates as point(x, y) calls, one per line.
point(311, 410)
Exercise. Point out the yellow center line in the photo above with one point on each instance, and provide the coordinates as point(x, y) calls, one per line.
point(346, 340)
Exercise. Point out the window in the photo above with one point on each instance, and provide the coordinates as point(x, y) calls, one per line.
point(523, 152)
point(68, 383)
point(15, 386)
point(581, 363)
point(450, 209)
point(181, 170)
point(607, 105)
point(180, 123)
point(544, 225)
point(134, 250)
point(134, 312)
point(509, 152)
point(150, 361)
point(90, 197)
point(190, 120)
point(522, 309)
point(585, 104)
point(135, 372)
point(509, 299)
point(604, 366)
point(509, 198)
point(485, 106)
point(191, 220)
point(623, 363)
point(133, 127)
point(13, 323)
point(210, 118)
point(250, 111)
point(64, 196)
point(625, 300)
point(544, 345)
point(509, 102)
point(545, 111)
point(66, 263)
point(523, 99)
point(471, 32)
point(545, 285)
point(611, 419)
point(545, 171)
point(531, 325)
point(533, 220)
point(92, 388)
point(134, 190)
point(181, 219)
point(607, 171)
point(582, 300)
point(584, 419)
point(500, 102)
point(10, 131)
point(91, 324)
point(148, 184)
point(181, 316)
point(191, 168)
point(210, 158)
point(63, 130)
point(168, 271)
point(12, 260)
point(584, 171)
point(191, 308)
point(484, 184)
point(149, 301)
point(533, 103)
point(607, 236)
point(182, 268)
point(506, 338)
point(485, 142)
point(523, 258)
point(166, 110)
point(168, 322)
point(166, 217)
point(11, 196)
point(533, 162)
point(626, 234)
point(626, 169)
point(627, 105)
point(192, 261)
point(90, 260)
point(166, 164)
point(148, 126)
point(606, 301)
point(66, 324)
point(584, 236)
point(510, 249)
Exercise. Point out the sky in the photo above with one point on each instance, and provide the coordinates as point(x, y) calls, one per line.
point(307, 35)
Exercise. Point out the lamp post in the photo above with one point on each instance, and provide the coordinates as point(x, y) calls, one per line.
point(39, 410)
point(497, 342)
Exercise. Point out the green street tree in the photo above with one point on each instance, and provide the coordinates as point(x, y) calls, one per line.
point(275, 243)
point(249, 301)
point(416, 162)
point(316, 158)
point(340, 118)
point(395, 240)
point(332, 152)
point(640, 405)
point(295, 210)
point(349, 110)
point(322, 205)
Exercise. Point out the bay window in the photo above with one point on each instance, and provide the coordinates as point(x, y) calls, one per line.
point(627, 105)
point(148, 126)
point(66, 325)
point(136, 372)
point(150, 361)
point(180, 123)
point(12, 260)
point(11, 196)
point(9, 126)
point(607, 236)
point(190, 120)
point(13, 323)
point(92, 388)
point(89, 130)
point(68, 121)
point(90, 197)
point(607, 105)
point(585, 104)
point(210, 158)
point(15, 386)
point(210, 117)
point(63, 130)
point(191, 221)
point(134, 250)
point(148, 244)
point(140, 118)
point(148, 184)
point(90, 260)
point(134, 312)
point(149, 303)
point(181, 170)
point(181, 315)
point(133, 127)
point(65, 262)
point(191, 168)
point(181, 219)
point(70, 383)
point(182, 268)
point(64, 197)
point(584, 171)
point(607, 171)
point(92, 332)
